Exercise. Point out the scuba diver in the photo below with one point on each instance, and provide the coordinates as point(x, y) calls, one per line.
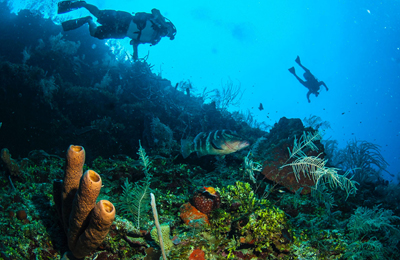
point(141, 27)
point(311, 82)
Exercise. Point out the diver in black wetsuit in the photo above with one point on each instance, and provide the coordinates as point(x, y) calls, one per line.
point(141, 27)
point(311, 82)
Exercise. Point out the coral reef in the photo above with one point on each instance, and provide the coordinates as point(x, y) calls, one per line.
point(244, 227)
point(11, 165)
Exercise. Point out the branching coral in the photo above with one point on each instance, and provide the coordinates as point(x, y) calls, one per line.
point(306, 140)
point(250, 167)
point(60, 45)
point(48, 88)
point(267, 227)
point(239, 196)
point(314, 168)
point(316, 122)
point(372, 233)
point(254, 221)
point(365, 220)
point(230, 95)
point(363, 159)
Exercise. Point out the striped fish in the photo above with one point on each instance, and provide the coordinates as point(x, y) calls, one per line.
point(220, 142)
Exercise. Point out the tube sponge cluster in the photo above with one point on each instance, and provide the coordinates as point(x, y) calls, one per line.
point(85, 222)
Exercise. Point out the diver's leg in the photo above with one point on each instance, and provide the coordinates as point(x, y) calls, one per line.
point(75, 23)
point(301, 65)
point(68, 6)
point(297, 60)
point(304, 68)
point(92, 27)
point(291, 70)
point(300, 80)
point(93, 10)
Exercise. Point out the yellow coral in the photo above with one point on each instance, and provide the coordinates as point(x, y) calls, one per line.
point(165, 229)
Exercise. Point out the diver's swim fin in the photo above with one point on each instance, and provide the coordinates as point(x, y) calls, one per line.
point(297, 60)
point(292, 70)
point(68, 6)
point(74, 24)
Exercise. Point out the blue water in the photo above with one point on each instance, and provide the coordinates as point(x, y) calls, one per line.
point(353, 46)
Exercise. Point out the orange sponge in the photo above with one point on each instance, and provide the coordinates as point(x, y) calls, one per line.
point(191, 216)
point(73, 173)
point(101, 220)
point(84, 202)
point(85, 222)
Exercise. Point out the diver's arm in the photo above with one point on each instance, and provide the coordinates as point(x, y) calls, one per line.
point(323, 84)
point(308, 96)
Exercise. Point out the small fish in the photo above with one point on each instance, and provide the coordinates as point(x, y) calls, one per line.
point(210, 190)
point(261, 107)
point(220, 142)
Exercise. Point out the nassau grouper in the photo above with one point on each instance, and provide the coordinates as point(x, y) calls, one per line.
point(220, 142)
